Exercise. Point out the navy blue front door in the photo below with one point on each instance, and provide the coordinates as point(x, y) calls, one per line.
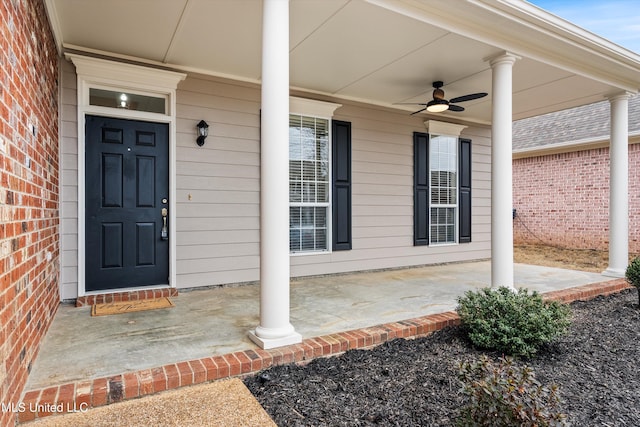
point(126, 203)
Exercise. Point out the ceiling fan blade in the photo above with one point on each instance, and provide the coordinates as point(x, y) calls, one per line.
point(469, 97)
point(409, 103)
point(419, 111)
point(456, 108)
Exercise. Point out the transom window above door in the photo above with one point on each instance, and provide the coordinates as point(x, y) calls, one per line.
point(127, 100)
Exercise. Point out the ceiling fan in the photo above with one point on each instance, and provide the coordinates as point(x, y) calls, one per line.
point(438, 104)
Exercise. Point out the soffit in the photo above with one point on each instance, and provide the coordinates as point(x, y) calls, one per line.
point(380, 51)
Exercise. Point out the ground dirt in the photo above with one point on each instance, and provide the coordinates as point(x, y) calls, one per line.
point(552, 256)
point(415, 382)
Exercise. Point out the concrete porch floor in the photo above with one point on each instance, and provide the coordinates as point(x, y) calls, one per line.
point(211, 322)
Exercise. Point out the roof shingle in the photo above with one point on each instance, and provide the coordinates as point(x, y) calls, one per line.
point(587, 122)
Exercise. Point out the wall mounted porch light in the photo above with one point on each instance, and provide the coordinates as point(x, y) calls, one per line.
point(203, 132)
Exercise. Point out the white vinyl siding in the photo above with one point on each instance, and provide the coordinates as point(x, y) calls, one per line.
point(68, 181)
point(308, 183)
point(218, 189)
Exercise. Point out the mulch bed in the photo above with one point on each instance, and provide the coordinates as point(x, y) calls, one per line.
point(415, 382)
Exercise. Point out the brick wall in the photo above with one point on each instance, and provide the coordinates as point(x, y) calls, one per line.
point(29, 189)
point(563, 199)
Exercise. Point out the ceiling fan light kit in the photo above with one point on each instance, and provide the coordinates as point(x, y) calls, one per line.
point(437, 106)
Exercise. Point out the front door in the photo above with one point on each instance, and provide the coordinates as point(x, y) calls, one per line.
point(126, 203)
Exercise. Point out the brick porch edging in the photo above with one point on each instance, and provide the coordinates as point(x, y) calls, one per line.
point(125, 296)
point(103, 391)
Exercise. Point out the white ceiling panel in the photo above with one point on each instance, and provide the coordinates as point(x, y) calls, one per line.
point(528, 73)
point(377, 51)
point(308, 15)
point(136, 28)
point(348, 47)
point(557, 95)
point(221, 35)
point(451, 59)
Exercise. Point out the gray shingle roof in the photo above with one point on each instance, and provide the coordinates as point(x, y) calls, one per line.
point(586, 122)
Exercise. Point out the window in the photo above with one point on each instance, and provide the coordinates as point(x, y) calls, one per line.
point(309, 180)
point(442, 199)
point(127, 101)
point(443, 188)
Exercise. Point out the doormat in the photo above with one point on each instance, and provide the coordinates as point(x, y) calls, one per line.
point(130, 306)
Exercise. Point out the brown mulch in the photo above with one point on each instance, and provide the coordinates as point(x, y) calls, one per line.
point(415, 382)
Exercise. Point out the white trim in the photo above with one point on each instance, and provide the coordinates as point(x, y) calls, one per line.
point(100, 73)
point(570, 146)
point(56, 28)
point(435, 127)
point(538, 35)
point(312, 107)
point(119, 75)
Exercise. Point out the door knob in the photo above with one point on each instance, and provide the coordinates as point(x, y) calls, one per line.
point(164, 235)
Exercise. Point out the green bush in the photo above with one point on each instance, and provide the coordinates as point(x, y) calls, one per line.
point(514, 323)
point(504, 395)
point(633, 275)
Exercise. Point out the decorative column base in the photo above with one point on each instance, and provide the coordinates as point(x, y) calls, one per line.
point(614, 272)
point(270, 338)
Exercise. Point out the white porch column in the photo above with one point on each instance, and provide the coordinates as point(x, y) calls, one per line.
point(274, 329)
point(619, 187)
point(501, 177)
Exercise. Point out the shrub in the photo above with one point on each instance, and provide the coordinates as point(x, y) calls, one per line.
point(633, 275)
point(502, 394)
point(514, 323)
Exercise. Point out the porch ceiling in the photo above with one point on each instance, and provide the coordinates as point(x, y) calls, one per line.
point(377, 51)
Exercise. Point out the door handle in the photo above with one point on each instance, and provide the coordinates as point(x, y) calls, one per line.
point(164, 235)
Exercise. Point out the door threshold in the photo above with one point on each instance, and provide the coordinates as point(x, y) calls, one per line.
point(125, 295)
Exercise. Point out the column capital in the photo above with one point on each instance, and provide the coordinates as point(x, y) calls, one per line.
point(619, 96)
point(502, 58)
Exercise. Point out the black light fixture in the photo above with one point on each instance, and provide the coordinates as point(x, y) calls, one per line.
point(203, 132)
point(438, 104)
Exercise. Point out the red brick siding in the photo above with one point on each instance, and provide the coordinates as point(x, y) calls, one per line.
point(29, 191)
point(563, 199)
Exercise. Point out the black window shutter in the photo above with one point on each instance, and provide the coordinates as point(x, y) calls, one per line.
point(420, 189)
point(465, 191)
point(341, 199)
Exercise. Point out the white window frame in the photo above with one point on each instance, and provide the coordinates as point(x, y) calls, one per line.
point(432, 205)
point(444, 129)
point(319, 110)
